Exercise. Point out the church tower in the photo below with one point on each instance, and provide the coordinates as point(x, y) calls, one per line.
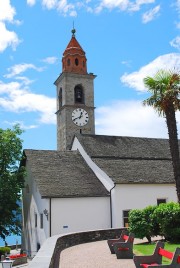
point(75, 96)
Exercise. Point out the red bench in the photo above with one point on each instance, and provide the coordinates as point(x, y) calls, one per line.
point(122, 246)
point(155, 260)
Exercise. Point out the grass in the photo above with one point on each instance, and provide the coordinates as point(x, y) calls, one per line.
point(148, 249)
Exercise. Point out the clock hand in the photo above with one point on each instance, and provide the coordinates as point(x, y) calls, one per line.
point(79, 117)
point(76, 118)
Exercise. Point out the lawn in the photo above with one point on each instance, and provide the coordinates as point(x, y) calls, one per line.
point(148, 249)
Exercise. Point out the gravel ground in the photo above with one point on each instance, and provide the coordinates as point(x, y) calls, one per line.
point(92, 255)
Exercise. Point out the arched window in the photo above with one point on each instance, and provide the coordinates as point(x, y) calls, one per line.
point(68, 62)
point(60, 97)
point(76, 62)
point(78, 94)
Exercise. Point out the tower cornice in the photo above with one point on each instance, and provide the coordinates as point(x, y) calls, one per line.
point(69, 74)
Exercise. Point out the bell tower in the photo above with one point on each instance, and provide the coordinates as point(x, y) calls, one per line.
point(75, 96)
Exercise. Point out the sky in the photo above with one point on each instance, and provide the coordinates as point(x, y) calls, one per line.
point(124, 41)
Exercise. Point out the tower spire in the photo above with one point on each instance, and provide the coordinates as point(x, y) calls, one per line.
point(74, 58)
point(73, 30)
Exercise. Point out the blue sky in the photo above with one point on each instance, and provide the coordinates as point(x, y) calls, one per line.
point(124, 41)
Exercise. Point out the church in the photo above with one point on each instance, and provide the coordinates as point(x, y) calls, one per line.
point(91, 181)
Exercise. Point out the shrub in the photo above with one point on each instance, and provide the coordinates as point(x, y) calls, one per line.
point(168, 217)
point(142, 223)
point(154, 224)
point(4, 250)
point(139, 225)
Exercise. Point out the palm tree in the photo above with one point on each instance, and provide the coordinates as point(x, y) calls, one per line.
point(165, 90)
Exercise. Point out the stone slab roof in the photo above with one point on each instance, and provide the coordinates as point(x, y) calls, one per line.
point(124, 147)
point(123, 171)
point(63, 174)
point(130, 159)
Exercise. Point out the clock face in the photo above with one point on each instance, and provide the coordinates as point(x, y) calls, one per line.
point(80, 117)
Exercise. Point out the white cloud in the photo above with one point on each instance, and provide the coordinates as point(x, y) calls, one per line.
point(22, 125)
point(25, 80)
point(14, 98)
point(21, 68)
point(62, 6)
point(49, 4)
point(138, 3)
point(130, 118)
point(177, 4)
point(178, 25)
point(126, 63)
point(123, 5)
point(176, 42)
point(7, 12)
point(50, 60)
point(7, 38)
point(151, 14)
point(70, 8)
point(135, 79)
point(31, 2)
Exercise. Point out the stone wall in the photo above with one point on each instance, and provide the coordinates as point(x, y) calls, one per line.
point(19, 261)
point(73, 239)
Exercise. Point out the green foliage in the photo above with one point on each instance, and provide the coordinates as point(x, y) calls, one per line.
point(161, 220)
point(154, 224)
point(164, 88)
point(11, 180)
point(142, 224)
point(138, 224)
point(4, 250)
point(168, 217)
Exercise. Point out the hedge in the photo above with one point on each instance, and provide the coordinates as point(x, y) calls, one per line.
point(161, 220)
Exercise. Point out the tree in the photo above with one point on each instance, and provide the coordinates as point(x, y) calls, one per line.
point(11, 181)
point(142, 224)
point(165, 90)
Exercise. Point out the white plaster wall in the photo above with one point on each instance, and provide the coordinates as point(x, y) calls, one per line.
point(32, 203)
point(138, 196)
point(79, 214)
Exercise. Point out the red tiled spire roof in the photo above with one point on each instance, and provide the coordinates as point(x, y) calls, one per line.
point(74, 59)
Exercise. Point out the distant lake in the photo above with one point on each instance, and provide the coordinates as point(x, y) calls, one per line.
point(11, 240)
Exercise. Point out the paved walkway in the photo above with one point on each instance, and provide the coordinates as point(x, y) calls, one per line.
point(92, 255)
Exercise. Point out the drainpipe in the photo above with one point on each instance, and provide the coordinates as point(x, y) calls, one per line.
point(111, 204)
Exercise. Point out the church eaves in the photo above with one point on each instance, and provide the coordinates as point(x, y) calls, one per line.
point(63, 174)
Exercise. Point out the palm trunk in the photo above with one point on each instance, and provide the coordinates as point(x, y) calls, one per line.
point(174, 146)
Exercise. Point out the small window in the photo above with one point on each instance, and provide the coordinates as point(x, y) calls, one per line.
point(76, 62)
point(41, 220)
point(161, 200)
point(35, 219)
point(125, 217)
point(68, 62)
